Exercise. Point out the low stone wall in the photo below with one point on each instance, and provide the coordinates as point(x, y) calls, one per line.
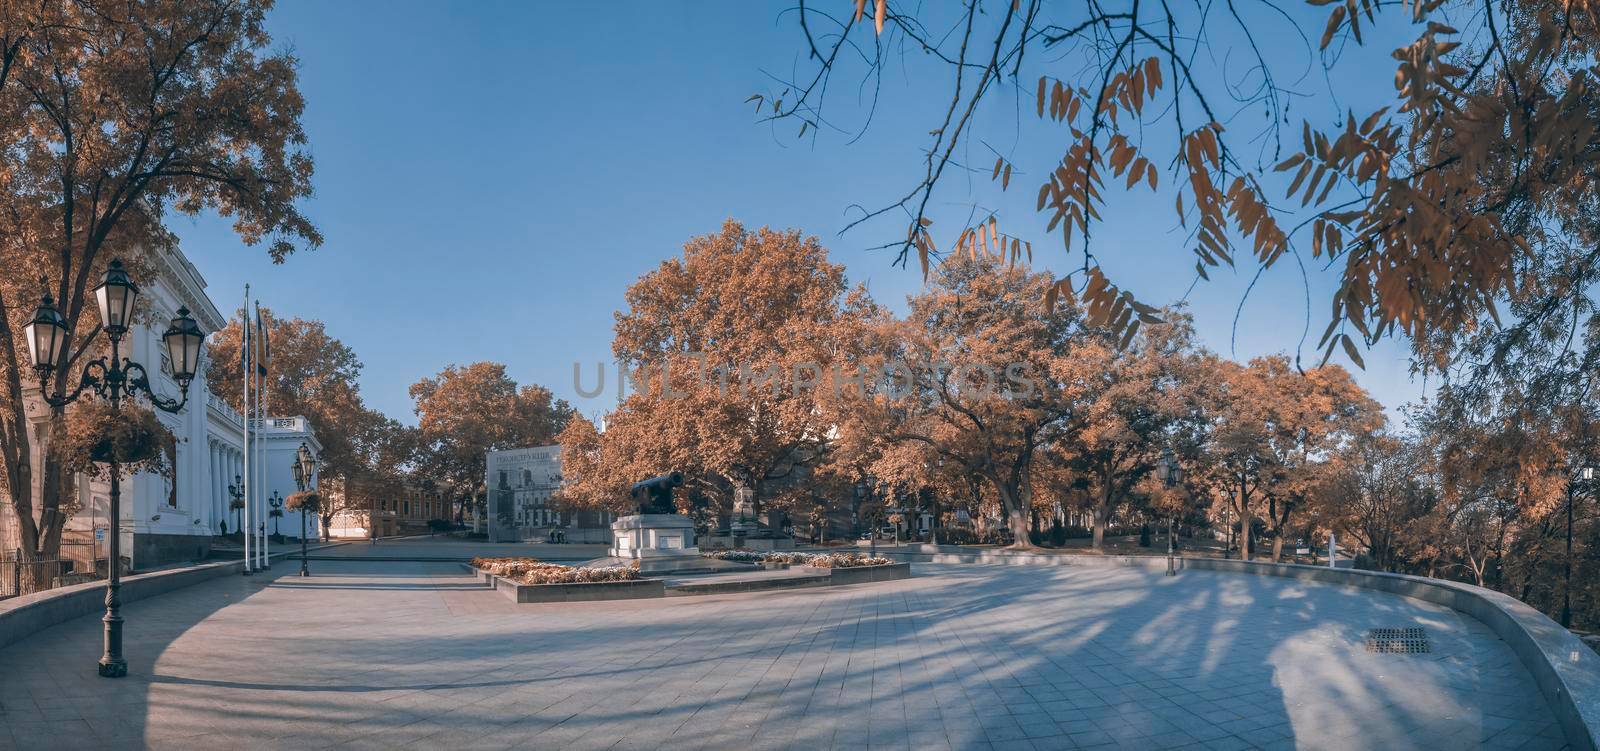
point(864, 574)
point(1565, 669)
point(623, 590)
point(751, 585)
point(23, 616)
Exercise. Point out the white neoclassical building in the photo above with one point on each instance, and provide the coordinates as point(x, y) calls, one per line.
point(280, 439)
point(168, 521)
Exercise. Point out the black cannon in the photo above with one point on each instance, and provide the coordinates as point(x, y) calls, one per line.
point(654, 496)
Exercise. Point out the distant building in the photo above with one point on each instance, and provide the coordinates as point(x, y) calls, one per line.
point(520, 484)
point(405, 510)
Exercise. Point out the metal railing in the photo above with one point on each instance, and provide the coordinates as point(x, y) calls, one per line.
point(21, 577)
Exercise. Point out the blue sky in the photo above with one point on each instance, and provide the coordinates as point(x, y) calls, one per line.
point(490, 176)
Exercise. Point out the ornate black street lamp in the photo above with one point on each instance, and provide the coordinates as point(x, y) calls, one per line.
point(110, 379)
point(1170, 472)
point(1585, 475)
point(236, 503)
point(276, 502)
point(305, 468)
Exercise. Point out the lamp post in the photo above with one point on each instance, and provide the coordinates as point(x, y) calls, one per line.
point(111, 379)
point(236, 503)
point(276, 502)
point(1586, 475)
point(1170, 472)
point(305, 467)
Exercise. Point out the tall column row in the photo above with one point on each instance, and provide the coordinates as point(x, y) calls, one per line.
point(227, 462)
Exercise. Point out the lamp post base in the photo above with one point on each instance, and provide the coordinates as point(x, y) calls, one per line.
point(113, 669)
point(1172, 569)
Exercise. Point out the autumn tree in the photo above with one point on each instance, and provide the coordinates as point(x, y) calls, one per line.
point(586, 474)
point(1125, 424)
point(111, 114)
point(1274, 429)
point(1428, 202)
point(985, 377)
point(1311, 417)
point(388, 454)
point(465, 412)
point(1375, 497)
point(734, 346)
point(312, 374)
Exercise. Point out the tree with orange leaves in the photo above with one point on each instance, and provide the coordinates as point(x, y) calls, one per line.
point(985, 377)
point(1271, 431)
point(468, 410)
point(1126, 423)
point(733, 348)
point(111, 115)
point(1428, 205)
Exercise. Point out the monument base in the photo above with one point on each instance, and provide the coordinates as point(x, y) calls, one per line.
point(744, 534)
point(727, 540)
point(659, 544)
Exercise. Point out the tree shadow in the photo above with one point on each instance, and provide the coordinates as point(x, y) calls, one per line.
point(975, 655)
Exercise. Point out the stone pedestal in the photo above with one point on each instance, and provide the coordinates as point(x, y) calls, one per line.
point(653, 536)
point(660, 543)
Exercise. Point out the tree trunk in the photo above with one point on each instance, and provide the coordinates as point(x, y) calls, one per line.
point(1277, 548)
point(1243, 507)
point(1016, 516)
point(1244, 536)
point(1101, 515)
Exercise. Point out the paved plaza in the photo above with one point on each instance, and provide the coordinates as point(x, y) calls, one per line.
point(382, 654)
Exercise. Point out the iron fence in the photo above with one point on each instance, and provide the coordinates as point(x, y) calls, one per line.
point(21, 577)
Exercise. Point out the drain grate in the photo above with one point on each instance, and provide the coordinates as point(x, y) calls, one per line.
point(1398, 640)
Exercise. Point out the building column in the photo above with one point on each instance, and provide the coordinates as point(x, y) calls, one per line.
point(215, 484)
point(209, 488)
point(232, 469)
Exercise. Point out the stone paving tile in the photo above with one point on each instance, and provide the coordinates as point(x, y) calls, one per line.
point(391, 655)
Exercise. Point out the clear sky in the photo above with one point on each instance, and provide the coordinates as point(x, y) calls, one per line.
point(490, 176)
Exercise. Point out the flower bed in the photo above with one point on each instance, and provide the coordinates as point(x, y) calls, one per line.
point(505, 566)
point(738, 556)
point(846, 560)
point(534, 571)
point(551, 573)
point(819, 560)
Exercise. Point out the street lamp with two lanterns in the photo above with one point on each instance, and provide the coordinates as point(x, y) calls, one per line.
point(1170, 472)
point(305, 468)
point(112, 378)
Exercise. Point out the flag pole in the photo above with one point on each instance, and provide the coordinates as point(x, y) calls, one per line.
point(244, 404)
point(261, 391)
point(261, 485)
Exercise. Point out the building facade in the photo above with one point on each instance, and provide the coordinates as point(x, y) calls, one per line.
point(403, 511)
point(521, 483)
point(165, 520)
point(280, 439)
